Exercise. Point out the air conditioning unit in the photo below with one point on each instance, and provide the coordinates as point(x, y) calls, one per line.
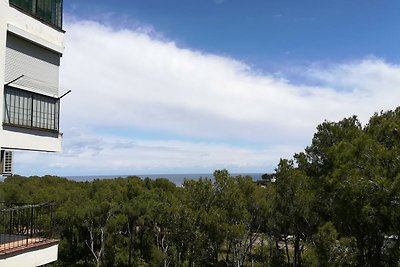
point(6, 162)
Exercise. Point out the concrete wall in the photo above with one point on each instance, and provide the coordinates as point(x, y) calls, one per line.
point(31, 258)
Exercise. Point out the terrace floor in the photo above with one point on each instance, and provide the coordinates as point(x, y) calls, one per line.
point(18, 243)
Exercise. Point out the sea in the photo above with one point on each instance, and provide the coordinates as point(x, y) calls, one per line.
point(178, 179)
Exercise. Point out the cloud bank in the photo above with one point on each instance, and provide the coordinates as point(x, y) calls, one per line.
point(203, 111)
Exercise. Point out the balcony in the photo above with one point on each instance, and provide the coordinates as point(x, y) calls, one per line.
point(30, 110)
point(26, 234)
point(47, 11)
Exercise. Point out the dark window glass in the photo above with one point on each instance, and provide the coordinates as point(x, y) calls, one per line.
point(28, 109)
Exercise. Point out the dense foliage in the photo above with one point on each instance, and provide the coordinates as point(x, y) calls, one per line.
point(335, 204)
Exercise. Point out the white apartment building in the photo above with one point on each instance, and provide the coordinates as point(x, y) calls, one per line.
point(31, 46)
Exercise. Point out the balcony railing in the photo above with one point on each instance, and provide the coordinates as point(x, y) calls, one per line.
point(48, 11)
point(25, 225)
point(30, 110)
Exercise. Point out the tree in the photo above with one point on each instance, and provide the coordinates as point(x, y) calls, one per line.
point(349, 168)
point(293, 203)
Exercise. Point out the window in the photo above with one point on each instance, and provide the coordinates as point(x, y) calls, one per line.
point(49, 11)
point(31, 110)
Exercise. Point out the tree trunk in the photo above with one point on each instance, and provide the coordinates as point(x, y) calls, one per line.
point(287, 252)
point(297, 252)
point(131, 231)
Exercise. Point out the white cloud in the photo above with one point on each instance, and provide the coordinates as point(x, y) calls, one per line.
point(88, 153)
point(128, 79)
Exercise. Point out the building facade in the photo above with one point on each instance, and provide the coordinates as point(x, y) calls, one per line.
point(31, 47)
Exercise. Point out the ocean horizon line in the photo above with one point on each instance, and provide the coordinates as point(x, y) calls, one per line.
point(177, 178)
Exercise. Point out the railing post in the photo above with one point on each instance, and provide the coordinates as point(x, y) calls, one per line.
point(32, 110)
point(51, 219)
point(26, 221)
point(31, 234)
point(11, 217)
point(10, 230)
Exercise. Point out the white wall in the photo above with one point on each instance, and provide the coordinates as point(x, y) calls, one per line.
point(31, 258)
point(38, 141)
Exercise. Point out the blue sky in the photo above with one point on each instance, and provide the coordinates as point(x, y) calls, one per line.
point(194, 86)
point(266, 34)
